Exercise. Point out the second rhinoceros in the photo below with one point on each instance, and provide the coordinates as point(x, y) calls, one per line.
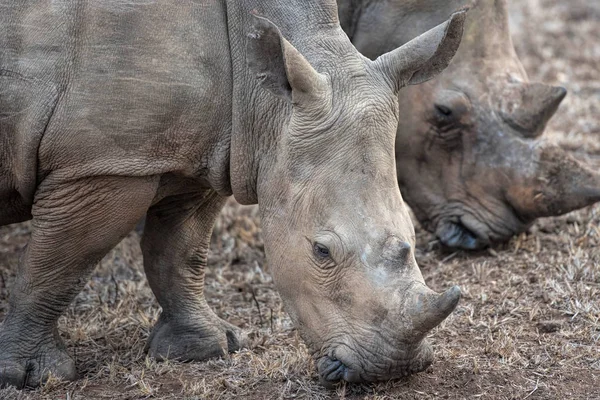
point(472, 161)
point(113, 109)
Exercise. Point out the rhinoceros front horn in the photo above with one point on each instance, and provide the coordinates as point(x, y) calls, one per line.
point(432, 308)
point(585, 188)
point(562, 184)
point(537, 104)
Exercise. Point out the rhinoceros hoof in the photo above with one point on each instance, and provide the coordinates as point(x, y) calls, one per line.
point(194, 341)
point(22, 366)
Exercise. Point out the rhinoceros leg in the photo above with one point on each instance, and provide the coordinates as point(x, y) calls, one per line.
point(73, 226)
point(175, 246)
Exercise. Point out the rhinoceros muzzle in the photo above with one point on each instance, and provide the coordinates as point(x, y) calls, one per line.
point(379, 355)
point(333, 370)
point(469, 232)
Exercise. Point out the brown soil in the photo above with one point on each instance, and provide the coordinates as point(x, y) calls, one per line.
point(528, 326)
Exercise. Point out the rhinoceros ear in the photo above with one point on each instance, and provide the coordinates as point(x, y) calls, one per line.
point(278, 66)
point(426, 55)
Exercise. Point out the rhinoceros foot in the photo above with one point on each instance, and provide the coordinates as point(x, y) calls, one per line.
point(195, 340)
point(25, 365)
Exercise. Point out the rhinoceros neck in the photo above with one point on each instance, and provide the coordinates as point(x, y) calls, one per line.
point(259, 117)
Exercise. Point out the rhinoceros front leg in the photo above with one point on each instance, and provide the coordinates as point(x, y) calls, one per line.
point(74, 224)
point(175, 247)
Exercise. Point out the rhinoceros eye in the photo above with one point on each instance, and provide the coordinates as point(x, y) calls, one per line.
point(320, 251)
point(443, 110)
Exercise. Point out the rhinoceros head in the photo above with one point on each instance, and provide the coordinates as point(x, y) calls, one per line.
point(472, 161)
point(338, 237)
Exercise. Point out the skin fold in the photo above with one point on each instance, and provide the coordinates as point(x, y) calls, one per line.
point(472, 160)
point(113, 110)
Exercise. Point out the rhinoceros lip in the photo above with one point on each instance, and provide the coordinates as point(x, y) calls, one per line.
point(457, 235)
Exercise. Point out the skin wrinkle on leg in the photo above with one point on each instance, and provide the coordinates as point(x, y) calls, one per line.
point(175, 247)
point(75, 224)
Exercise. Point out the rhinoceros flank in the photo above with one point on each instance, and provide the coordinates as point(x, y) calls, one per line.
point(472, 161)
point(115, 109)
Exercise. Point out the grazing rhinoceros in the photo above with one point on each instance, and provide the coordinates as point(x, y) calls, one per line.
point(113, 109)
point(471, 162)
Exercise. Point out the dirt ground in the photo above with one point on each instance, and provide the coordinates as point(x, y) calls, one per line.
point(528, 326)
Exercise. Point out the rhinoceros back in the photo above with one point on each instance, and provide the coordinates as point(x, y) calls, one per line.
point(115, 87)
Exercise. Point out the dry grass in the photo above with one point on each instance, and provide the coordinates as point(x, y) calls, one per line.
point(528, 325)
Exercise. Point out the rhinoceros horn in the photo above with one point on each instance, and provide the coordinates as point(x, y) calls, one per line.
point(431, 308)
point(561, 185)
point(534, 107)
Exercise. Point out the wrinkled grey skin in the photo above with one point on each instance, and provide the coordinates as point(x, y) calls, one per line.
point(472, 161)
point(115, 109)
